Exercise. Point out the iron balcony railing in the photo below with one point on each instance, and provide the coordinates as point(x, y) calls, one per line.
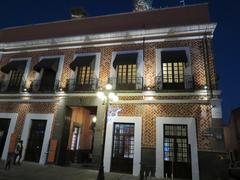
point(74, 85)
point(12, 87)
point(187, 84)
point(40, 86)
point(126, 84)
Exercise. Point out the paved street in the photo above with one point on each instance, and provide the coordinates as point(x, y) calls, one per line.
point(33, 171)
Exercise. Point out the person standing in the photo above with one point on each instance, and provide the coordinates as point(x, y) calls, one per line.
point(18, 152)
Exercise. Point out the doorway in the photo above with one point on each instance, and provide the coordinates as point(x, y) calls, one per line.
point(123, 148)
point(35, 141)
point(4, 126)
point(80, 134)
point(177, 153)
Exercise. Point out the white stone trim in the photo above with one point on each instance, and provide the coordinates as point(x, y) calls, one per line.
point(158, 60)
point(30, 100)
point(137, 142)
point(38, 76)
point(13, 120)
point(113, 36)
point(161, 94)
point(26, 70)
point(192, 139)
point(97, 61)
point(26, 131)
point(27, 66)
point(140, 63)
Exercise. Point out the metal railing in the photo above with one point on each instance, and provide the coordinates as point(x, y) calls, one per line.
point(74, 85)
point(128, 84)
point(8, 87)
point(188, 84)
point(39, 86)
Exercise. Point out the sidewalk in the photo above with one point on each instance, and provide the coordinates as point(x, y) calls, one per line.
point(34, 171)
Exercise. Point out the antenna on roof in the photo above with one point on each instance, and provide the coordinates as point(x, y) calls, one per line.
point(182, 2)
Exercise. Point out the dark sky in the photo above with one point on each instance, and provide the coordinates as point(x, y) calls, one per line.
point(224, 12)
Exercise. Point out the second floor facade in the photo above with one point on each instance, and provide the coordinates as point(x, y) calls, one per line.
point(161, 50)
point(161, 67)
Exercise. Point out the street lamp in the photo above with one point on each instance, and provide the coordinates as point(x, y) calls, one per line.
point(106, 96)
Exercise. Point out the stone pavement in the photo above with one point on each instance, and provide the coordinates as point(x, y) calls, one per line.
point(34, 171)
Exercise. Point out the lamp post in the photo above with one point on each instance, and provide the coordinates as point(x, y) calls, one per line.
point(106, 96)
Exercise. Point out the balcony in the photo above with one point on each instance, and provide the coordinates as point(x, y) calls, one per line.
point(187, 84)
point(41, 86)
point(74, 86)
point(12, 87)
point(129, 84)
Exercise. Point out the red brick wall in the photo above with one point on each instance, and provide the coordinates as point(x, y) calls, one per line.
point(23, 108)
point(196, 53)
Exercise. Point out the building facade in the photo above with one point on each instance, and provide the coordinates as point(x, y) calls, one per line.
point(232, 135)
point(159, 62)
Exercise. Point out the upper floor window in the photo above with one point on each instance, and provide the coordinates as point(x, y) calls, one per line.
point(173, 69)
point(14, 71)
point(173, 64)
point(127, 70)
point(126, 67)
point(47, 69)
point(83, 67)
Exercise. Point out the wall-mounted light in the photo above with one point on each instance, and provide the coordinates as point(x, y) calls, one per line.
point(94, 119)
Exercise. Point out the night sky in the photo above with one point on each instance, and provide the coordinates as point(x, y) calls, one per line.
point(226, 39)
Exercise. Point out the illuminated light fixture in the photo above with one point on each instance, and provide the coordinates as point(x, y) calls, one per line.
point(107, 96)
point(148, 98)
point(108, 87)
point(94, 119)
point(25, 90)
point(148, 88)
point(205, 87)
point(100, 95)
point(115, 98)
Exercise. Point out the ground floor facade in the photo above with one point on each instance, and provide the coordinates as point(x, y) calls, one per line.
point(165, 136)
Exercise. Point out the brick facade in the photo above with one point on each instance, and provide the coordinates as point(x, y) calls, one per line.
point(196, 55)
point(192, 105)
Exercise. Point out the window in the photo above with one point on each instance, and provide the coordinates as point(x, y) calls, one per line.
point(123, 142)
point(175, 143)
point(126, 74)
point(15, 80)
point(126, 71)
point(173, 72)
point(47, 68)
point(14, 70)
point(84, 75)
point(84, 67)
point(173, 68)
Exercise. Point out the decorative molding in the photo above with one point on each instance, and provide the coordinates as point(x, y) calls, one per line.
point(26, 130)
point(192, 140)
point(160, 34)
point(13, 120)
point(137, 142)
point(144, 93)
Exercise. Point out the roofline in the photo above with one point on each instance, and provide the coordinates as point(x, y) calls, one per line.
point(103, 39)
point(96, 17)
